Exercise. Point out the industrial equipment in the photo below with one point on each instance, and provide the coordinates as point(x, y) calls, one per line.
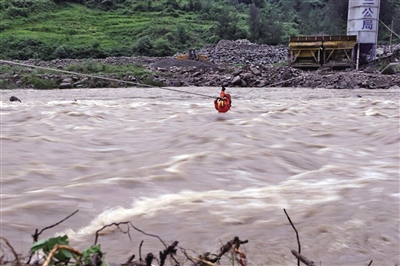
point(317, 51)
point(193, 56)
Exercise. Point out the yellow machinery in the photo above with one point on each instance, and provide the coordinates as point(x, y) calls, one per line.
point(193, 56)
point(317, 51)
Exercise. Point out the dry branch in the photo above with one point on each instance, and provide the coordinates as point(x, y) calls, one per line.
point(165, 245)
point(55, 249)
point(303, 258)
point(108, 225)
point(297, 236)
point(202, 261)
point(235, 243)
point(171, 250)
point(12, 250)
point(36, 235)
point(149, 258)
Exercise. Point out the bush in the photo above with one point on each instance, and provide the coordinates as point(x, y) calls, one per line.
point(213, 39)
point(173, 4)
point(38, 82)
point(151, 82)
point(61, 52)
point(25, 48)
point(12, 12)
point(4, 85)
point(4, 26)
point(140, 7)
point(182, 34)
point(162, 47)
point(143, 46)
point(24, 8)
point(120, 51)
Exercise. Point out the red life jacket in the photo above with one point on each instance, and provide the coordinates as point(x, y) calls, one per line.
point(223, 103)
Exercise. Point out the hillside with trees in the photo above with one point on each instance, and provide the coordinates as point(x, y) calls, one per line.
point(49, 29)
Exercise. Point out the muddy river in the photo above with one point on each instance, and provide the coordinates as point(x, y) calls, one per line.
point(174, 167)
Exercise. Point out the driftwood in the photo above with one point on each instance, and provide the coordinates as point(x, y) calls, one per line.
point(303, 258)
point(297, 254)
point(205, 259)
point(297, 236)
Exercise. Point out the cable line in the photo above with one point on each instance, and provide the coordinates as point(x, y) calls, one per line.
point(99, 77)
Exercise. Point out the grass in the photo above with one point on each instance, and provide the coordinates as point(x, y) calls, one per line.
point(17, 76)
point(279, 64)
point(74, 24)
point(91, 67)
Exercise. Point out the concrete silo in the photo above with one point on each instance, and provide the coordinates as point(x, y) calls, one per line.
point(363, 21)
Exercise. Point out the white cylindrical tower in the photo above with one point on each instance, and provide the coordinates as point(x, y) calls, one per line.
point(363, 21)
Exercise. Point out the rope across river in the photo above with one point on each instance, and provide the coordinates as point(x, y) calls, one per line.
point(104, 78)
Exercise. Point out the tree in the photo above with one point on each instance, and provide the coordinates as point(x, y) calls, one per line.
point(162, 47)
point(194, 5)
point(310, 17)
point(182, 34)
point(273, 31)
point(143, 46)
point(226, 26)
point(335, 18)
point(172, 3)
point(289, 13)
point(259, 3)
point(254, 23)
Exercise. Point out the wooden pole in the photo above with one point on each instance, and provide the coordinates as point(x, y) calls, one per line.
point(394, 33)
point(391, 36)
point(358, 51)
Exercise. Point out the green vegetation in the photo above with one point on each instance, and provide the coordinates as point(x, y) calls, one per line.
point(64, 253)
point(37, 82)
point(44, 79)
point(48, 29)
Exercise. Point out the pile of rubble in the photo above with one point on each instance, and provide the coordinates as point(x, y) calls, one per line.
point(268, 76)
point(237, 63)
point(244, 64)
point(242, 52)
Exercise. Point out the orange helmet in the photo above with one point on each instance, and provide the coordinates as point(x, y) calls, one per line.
point(221, 103)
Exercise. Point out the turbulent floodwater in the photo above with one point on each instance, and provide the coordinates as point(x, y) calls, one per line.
point(174, 167)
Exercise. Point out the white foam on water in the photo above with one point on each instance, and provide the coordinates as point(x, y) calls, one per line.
point(83, 128)
point(175, 162)
point(374, 112)
point(224, 204)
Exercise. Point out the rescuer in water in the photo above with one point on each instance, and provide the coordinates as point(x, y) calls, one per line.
point(223, 103)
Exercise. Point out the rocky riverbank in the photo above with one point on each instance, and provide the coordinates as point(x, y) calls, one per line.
point(231, 63)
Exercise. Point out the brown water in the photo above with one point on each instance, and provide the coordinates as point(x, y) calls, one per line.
point(174, 167)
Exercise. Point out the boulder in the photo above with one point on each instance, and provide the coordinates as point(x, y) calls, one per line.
point(65, 85)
